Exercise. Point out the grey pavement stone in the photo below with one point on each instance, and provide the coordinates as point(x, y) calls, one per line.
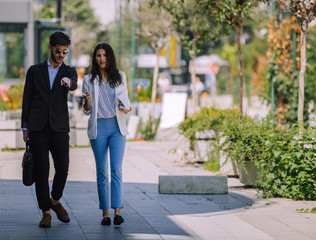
point(240, 214)
point(191, 184)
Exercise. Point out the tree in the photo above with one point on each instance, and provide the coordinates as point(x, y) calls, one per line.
point(194, 25)
point(155, 24)
point(281, 68)
point(235, 13)
point(305, 12)
point(85, 26)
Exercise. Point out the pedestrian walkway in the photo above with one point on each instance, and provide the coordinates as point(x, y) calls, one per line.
point(148, 214)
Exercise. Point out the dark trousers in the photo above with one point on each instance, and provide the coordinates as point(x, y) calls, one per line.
point(57, 143)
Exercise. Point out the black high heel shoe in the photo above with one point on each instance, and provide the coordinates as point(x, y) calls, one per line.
point(118, 219)
point(106, 221)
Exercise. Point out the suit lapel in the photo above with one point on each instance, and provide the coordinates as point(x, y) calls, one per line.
point(44, 70)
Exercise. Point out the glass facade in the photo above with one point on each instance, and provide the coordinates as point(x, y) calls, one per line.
point(23, 39)
point(12, 52)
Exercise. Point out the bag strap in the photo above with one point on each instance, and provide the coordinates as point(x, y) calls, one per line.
point(27, 144)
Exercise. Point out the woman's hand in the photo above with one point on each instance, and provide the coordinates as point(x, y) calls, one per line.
point(87, 104)
point(86, 97)
point(124, 110)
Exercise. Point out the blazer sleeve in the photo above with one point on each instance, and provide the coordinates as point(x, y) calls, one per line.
point(122, 94)
point(71, 73)
point(27, 98)
point(85, 89)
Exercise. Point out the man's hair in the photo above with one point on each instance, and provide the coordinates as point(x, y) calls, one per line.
point(59, 38)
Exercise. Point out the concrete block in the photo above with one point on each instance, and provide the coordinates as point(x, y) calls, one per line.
point(206, 134)
point(248, 175)
point(15, 114)
point(228, 167)
point(72, 133)
point(132, 126)
point(204, 142)
point(188, 184)
point(81, 133)
point(11, 134)
point(78, 132)
point(82, 137)
point(202, 150)
point(4, 116)
point(144, 108)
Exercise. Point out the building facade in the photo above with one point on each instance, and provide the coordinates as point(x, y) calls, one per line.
point(16, 39)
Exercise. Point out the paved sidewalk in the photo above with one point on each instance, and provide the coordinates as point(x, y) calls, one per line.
point(148, 214)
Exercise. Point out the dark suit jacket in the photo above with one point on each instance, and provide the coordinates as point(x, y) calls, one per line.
point(42, 105)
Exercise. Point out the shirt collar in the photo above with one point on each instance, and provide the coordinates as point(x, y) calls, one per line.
point(50, 65)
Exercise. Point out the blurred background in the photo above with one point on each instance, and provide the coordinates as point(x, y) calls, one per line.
point(168, 47)
point(224, 82)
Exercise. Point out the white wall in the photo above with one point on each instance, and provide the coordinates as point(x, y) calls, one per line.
point(14, 11)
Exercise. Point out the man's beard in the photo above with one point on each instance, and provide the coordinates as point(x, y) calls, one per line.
point(53, 57)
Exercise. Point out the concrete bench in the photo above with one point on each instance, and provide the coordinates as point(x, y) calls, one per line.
point(78, 132)
point(11, 134)
point(188, 184)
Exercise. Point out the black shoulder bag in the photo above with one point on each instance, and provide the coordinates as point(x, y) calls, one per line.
point(28, 166)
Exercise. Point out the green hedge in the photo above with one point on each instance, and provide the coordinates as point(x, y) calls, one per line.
point(286, 163)
point(207, 118)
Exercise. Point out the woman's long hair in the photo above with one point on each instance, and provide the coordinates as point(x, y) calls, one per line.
point(114, 77)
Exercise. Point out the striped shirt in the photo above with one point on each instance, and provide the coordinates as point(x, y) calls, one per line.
point(106, 103)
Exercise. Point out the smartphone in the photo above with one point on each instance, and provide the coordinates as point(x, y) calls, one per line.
point(121, 106)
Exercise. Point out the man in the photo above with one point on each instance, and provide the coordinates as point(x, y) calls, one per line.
point(163, 84)
point(45, 123)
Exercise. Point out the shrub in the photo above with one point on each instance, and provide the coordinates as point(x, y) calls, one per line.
point(16, 90)
point(207, 118)
point(144, 95)
point(3, 105)
point(149, 129)
point(15, 93)
point(244, 139)
point(288, 165)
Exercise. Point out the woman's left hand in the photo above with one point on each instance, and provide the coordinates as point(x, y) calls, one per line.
point(125, 110)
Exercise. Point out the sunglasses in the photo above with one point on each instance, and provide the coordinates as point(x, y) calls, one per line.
point(58, 51)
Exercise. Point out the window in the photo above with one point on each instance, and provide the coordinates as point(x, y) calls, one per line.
point(12, 52)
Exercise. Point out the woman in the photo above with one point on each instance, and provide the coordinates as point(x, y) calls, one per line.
point(106, 101)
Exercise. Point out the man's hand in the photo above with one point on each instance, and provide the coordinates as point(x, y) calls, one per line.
point(65, 82)
point(25, 135)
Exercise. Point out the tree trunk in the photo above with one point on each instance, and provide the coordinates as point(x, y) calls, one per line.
point(302, 72)
point(193, 77)
point(241, 75)
point(154, 86)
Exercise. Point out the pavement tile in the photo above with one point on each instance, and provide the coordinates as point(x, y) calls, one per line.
point(104, 236)
point(4, 237)
point(240, 214)
point(177, 237)
point(144, 236)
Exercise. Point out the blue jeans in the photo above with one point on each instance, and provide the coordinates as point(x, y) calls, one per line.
point(109, 137)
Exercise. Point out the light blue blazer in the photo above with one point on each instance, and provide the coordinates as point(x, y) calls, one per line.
point(121, 94)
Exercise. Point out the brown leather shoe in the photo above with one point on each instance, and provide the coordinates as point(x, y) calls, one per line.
point(62, 214)
point(46, 220)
